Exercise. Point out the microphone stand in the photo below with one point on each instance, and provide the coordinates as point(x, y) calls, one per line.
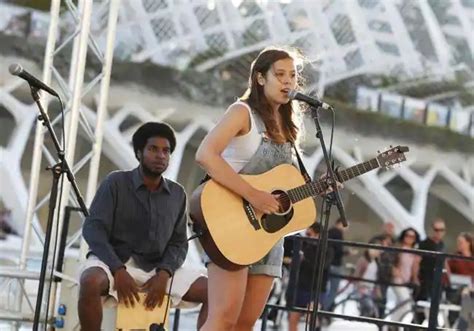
point(331, 198)
point(57, 170)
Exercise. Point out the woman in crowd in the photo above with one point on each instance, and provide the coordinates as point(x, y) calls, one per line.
point(464, 247)
point(366, 268)
point(405, 271)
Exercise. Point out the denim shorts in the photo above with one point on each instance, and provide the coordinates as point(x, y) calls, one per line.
point(270, 264)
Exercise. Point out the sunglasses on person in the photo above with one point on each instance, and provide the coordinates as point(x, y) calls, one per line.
point(439, 229)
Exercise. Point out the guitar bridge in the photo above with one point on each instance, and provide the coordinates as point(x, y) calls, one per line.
point(251, 215)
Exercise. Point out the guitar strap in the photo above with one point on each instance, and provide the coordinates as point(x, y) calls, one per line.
point(204, 179)
point(305, 174)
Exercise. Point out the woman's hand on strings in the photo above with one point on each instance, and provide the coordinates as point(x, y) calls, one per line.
point(264, 202)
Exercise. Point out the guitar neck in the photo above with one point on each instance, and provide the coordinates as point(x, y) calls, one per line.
point(315, 188)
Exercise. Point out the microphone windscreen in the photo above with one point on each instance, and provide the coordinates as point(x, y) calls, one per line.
point(15, 69)
point(292, 94)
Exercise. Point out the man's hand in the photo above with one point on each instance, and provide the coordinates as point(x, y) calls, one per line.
point(155, 289)
point(127, 289)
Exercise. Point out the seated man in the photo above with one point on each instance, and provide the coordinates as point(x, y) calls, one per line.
point(136, 232)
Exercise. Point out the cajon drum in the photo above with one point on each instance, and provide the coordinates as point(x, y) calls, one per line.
point(137, 318)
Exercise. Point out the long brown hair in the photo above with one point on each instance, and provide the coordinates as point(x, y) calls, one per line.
point(470, 239)
point(256, 99)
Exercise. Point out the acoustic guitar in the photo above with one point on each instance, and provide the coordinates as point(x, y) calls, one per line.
point(234, 235)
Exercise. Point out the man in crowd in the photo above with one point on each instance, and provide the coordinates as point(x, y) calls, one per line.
point(388, 230)
point(335, 232)
point(434, 242)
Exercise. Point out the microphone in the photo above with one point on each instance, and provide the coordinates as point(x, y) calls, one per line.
point(17, 70)
point(294, 95)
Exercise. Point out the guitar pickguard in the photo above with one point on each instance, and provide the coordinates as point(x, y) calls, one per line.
point(273, 223)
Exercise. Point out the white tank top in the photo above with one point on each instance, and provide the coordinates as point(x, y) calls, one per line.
point(242, 148)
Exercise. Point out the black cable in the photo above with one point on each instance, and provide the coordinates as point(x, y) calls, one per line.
point(161, 326)
point(333, 124)
point(63, 123)
point(51, 276)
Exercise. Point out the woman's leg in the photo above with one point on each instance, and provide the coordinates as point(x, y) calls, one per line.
point(226, 292)
point(403, 304)
point(293, 320)
point(256, 295)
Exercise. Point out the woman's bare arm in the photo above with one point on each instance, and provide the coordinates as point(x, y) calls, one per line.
point(236, 121)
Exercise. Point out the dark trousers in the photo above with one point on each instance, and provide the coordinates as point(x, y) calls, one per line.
point(382, 301)
point(424, 294)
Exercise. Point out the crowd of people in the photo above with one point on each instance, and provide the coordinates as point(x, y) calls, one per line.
point(409, 276)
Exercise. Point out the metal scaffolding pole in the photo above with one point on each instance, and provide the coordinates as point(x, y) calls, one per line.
point(76, 81)
point(102, 107)
point(39, 135)
point(73, 93)
point(37, 151)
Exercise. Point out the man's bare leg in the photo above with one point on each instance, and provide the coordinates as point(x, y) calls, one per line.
point(93, 284)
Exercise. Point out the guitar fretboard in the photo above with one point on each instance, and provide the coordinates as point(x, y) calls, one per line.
point(315, 188)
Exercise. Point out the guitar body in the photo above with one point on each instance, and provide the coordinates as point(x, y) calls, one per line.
point(236, 236)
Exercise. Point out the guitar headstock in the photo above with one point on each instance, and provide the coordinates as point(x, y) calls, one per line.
point(392, 156)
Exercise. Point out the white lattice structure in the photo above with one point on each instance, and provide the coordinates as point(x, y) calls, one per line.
point(342, 38)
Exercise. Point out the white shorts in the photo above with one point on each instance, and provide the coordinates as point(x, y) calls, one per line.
point(184, 277)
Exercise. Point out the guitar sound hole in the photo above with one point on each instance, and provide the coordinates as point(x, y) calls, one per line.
point(284, 200)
